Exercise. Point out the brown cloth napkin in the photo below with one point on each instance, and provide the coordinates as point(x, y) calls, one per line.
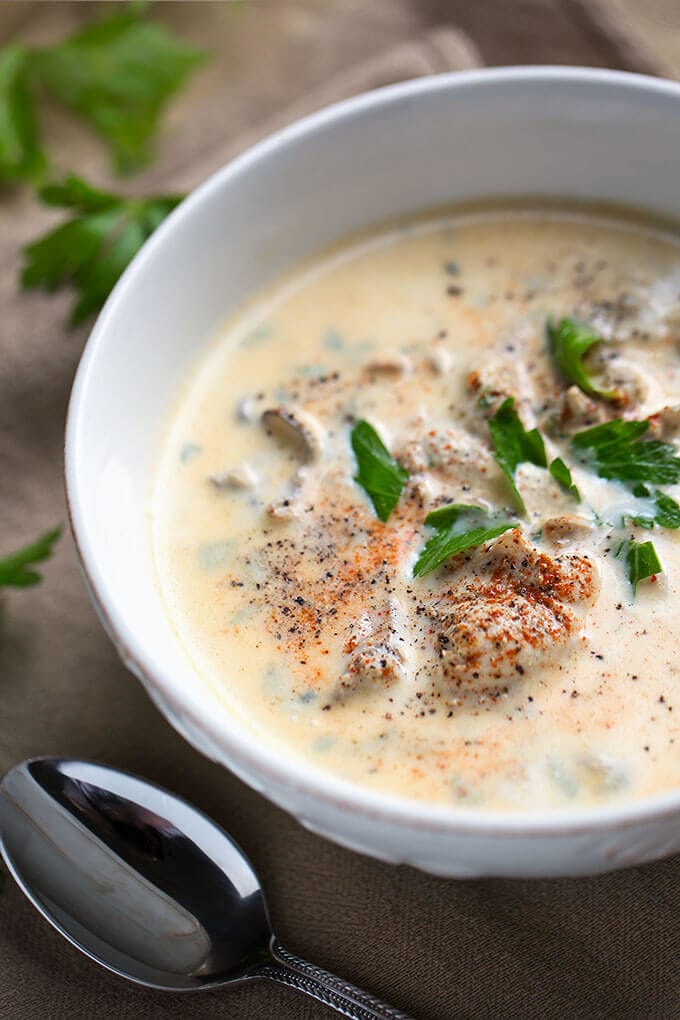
point(441, 950)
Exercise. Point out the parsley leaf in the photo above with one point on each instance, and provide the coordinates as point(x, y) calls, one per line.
point(642, 561)
point(569, 342)
point(20, 155)
point(513, 444)
point(92, 249)
point(458, 526)
point(119, 74)
point(666, 512)
point(381, 477)
point(14, 569)
point(617, 452)
point(562, 475)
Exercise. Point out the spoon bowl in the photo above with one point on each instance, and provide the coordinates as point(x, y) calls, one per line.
point(105, 858)
point(148, 886)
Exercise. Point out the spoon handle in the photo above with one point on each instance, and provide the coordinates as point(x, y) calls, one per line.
point(333, 991)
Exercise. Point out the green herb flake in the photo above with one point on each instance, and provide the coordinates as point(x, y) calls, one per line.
point(118, 74)
point(642, 561)
point(513, 445)
point(458, 526)
point(333, 340)
point(91, 249)
point(569, 342)
point(617, 451)
point(15, 569)
point(666, 512)
point(20, 155)
point(189, 452)
point(379, 474)
point(562, 475)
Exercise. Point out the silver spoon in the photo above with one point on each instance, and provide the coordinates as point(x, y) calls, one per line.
point(147, 886)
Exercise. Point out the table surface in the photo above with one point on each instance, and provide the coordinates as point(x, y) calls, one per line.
point(439, 949)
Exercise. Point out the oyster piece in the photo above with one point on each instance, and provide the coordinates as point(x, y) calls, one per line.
point(506, 609)
point(576, 411)
point(493, 383)
point(376, 649)
point(303, 435)
point(567, 528)
point(291, 504)
point(246, 410)
point(447, 451)
point(623, 380)
point(665, 424)
point(439, 360)
point(242, 477)
point(499, 376)
point(389, 365)
point(295, 428)
point(627, 385)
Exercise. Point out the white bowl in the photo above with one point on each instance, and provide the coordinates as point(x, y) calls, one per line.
point(580, 134)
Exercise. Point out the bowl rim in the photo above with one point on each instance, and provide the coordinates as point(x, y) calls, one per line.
point(238, 745)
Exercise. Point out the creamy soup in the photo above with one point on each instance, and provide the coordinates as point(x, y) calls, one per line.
point(406, 527)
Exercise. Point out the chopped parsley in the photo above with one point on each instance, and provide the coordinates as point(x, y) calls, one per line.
point(562, 475)
point(513, 445)
point(15, 569)
point(569, 342)
point(665, 512)
point(617, 451)
point(379, 474)
point(458, 526)
point(641, 559)
point(91, 249)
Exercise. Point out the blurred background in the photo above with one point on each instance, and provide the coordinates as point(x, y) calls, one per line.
point(268, 53)
point(271, 36)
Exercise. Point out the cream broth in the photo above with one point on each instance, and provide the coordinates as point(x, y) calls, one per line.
point(524, 673)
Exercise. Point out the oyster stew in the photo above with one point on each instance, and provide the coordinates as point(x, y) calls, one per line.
point(415, 517)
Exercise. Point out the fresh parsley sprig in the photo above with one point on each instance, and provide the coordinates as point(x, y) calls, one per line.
point(21, 157)
point(117, 75)
point(379, 474)
point(618, 452)
point(91, 249)
point(15, 569)
point(641, 559)
point(569, 342)
point(513, 445)
point(458, 526)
